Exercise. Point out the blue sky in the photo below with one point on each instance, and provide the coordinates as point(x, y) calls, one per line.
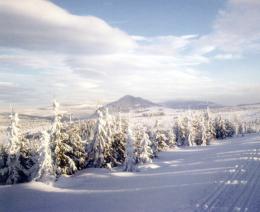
point(89, 51)
point(151, 17)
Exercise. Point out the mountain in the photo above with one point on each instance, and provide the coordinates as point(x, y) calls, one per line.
point(249, 104)
point(189, 104)
point(129, 102)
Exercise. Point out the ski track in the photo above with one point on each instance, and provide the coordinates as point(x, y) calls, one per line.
point(237, 191)
point(223, 177)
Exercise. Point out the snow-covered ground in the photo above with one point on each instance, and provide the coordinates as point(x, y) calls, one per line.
point(221, 177)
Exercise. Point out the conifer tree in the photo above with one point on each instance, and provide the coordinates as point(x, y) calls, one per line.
point(99, 149)
point(129, 164)
point(228, 128)
point(19, 162)
point(154, 142)
point(195, 131)
point(118, 148)
point(3, 163)
point(146, 152)
point(160, 137)
point(138, 135)
point(183, 131)
point(171, 138)
point(119, 123)
point(87, 129)
point(77, 154)
point(109, 124)
point(46, 172)
point(212, 130)
point(61, 150)
point(206, 132)
point(118, 143)
point(176, 132)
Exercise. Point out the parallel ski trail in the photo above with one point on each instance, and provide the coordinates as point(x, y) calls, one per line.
point(213, 201)
point(243, 199)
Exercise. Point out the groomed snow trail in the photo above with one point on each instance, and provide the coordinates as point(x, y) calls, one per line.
point(221, 177)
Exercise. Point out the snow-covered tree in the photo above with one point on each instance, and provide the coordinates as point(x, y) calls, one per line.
point(87, 129)
point(18, 164)
point(118, 142)
point(3, 163)
point(154, 142)
point(194, 131)
point(77, 154)
point(228, 128)
point(118, 148)
point(138, 135)
point(46, 172)
point(160, 137)
point(119, 123)
point(243, 128)
point(183, 123)
point(176, 132)
point(218, 127)
point(223, 127)
point(99, 149)
point(146, 152)
point(237, 125)
point(109, 124)
point(212, 130)
point(207, 135)
point(171, 138)
point(61, 150)
point(129, 164)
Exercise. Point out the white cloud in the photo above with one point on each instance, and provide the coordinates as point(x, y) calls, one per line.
point(164, 45)
point(236, 29)
point(41, 25)
point(7, 84)
point(227, 56)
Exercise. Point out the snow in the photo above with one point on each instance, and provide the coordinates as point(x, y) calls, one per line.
point(220, 177)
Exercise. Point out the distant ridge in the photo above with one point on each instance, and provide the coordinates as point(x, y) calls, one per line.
point(189, 104)
point(249, 104)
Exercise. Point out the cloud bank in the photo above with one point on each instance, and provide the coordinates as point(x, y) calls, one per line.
point(46, 52)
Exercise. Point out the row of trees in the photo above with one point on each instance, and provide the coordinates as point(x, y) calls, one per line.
point(201, 128)
point(106, 141)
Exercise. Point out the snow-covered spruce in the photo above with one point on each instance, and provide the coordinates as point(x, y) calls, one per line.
point(109, 124)
point(154, 142)
point(183, 132)
point(208, 131)
point(61, 146)
point(118, 142)
point(171, 138)
point(137, 133)
point(211, 131)
point(146, 152)
point(118, 149)
point(195, 131)
point(46, 172)
point(78, 155)
point(86, 130)
point(17, 159)
point(99, 149)
point(111, 130)
point(130, 159)
point(3, 165)
point(223, 128)
point(160, 137)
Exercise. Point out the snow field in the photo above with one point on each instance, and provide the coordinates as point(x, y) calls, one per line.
point(220, 177)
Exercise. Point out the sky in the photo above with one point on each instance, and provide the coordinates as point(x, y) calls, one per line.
point(99, 50)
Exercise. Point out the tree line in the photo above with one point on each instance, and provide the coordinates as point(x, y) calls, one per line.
point(104, 142)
